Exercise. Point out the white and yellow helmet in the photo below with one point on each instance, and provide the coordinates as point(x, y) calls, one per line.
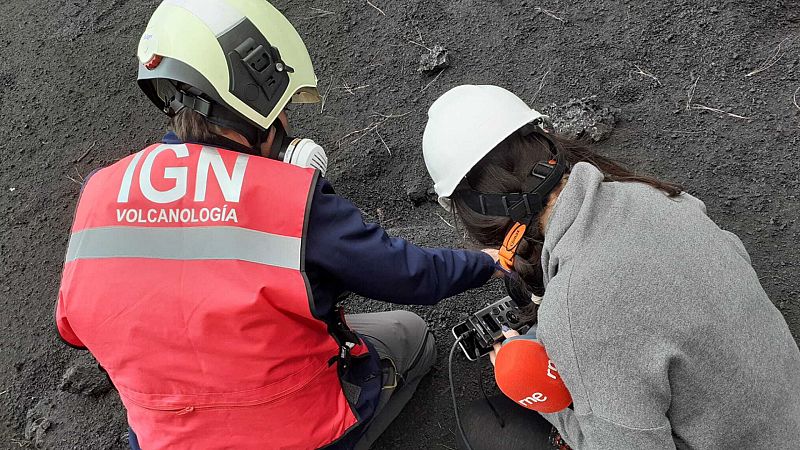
point(237, 62)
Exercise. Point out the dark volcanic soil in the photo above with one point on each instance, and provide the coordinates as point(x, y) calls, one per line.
point(70, 104)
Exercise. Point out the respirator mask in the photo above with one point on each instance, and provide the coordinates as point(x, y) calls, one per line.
point(304, 153)
point(297, 151)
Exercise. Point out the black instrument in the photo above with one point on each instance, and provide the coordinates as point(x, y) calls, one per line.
point(484, 328)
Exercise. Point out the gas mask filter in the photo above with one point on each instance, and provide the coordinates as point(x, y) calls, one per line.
point(306, 153)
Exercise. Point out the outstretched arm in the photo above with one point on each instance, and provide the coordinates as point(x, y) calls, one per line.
point(365, 260)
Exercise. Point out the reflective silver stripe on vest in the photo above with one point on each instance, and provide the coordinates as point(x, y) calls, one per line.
point(190, 243)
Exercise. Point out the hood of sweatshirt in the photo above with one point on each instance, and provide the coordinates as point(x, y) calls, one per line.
point(574, 214)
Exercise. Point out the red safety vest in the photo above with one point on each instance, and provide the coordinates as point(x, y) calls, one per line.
point(184, 278)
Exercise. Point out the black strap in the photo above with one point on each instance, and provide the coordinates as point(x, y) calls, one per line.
point(520, 206)
point(280, 142)
point(217, 115)
point(345, 338)
point(223, 117)
point(228, 144)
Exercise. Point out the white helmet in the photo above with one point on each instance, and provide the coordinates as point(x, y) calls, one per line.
point(464, 125)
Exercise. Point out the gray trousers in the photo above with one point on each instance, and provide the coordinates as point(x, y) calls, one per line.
point(407, 352)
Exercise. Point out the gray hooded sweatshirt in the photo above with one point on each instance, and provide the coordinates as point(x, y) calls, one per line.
point(656, 321)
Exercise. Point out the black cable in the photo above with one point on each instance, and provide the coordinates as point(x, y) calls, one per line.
point(497, 415)
point(453, 391)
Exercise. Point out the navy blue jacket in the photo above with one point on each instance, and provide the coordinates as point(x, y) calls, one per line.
point(344, 254)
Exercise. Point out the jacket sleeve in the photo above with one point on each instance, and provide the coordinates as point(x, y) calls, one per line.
point(366, 261)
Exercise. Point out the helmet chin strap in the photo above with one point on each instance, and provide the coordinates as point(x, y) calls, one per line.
point(281, 141)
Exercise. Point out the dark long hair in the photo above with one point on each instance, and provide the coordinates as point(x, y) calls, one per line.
point(505, 169)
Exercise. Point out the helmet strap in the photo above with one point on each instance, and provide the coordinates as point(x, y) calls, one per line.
point(281, 141)
point(521, 207)
point(223, 117)
point(230, 144)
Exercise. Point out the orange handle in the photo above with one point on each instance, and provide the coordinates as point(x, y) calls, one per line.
point(510, 243)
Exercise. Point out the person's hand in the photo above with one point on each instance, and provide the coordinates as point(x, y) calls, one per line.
point(495, 254)
point(507, 332)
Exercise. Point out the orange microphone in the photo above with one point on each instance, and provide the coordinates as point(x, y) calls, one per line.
point(525, 374)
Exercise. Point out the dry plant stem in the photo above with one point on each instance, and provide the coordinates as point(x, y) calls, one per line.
point(684, 132)
point(794, 98)
point(433, 80)
point(641, 72)
point(321, 12)
point(382, 141)
point(776, 56)
point(86, 153)
point(376, 8)
point(390, 116)
point(717, 110)
point(372, 127)
point(445, 221)
point(550, 14)
point(420, 45)
point(350, 89)
point(420, 42)
point(541, 84)
point(325, 96)
point(690, 94)
point(353, 133)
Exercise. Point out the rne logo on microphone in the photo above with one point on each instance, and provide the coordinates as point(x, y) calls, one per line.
point(550, 369)
point(536, 397)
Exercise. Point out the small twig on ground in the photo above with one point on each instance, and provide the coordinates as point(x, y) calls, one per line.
point(776, 56)
point(419, 45)
point(86, 153)
point(376, 8)
point(433, 80)
point(683, 132)
point(641, 72)
point(390, 116)
point(445, 221)
point(350, 89)
point(4, 392)
point(384, 142)
point(690, 94)
point(353, 133)
point(321, 12)
point(79, 174)
point(378, 120)
point(421, 42)
point(550, 14)
point(794, 98)
point(541, 84)
point(325, 96)
point(717, 110)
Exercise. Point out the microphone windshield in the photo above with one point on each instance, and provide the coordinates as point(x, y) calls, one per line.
point(525, 374)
